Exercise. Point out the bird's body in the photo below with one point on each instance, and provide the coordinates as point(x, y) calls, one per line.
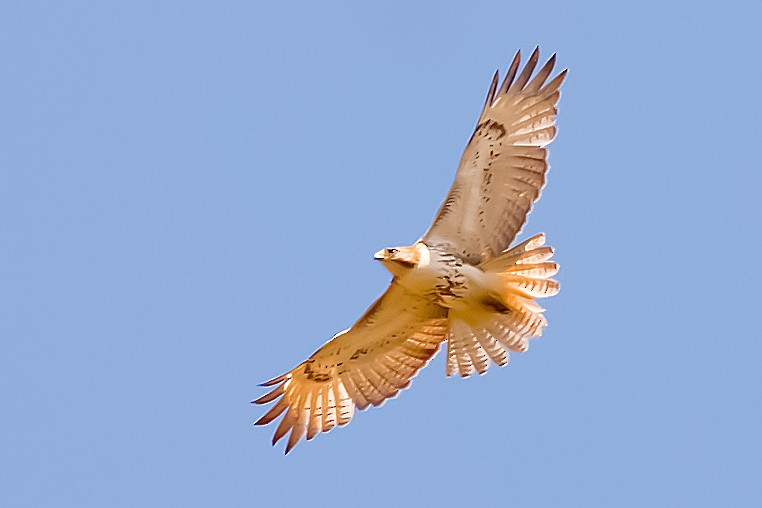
point(447, 280)
point(460, 283)
point(436, 274)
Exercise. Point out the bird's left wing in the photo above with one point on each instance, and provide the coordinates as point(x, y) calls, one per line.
point(503, 166)
point(360, 367)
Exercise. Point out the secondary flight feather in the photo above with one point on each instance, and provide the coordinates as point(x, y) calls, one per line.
point(461, 283)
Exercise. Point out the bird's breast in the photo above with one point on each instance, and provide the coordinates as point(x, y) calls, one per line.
point(446, 279)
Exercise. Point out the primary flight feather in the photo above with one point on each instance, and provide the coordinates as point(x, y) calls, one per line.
point(459, 283)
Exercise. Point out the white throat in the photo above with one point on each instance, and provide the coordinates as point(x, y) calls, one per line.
point(425, 254)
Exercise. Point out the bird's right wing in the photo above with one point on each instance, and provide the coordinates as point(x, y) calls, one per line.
point(360, 367)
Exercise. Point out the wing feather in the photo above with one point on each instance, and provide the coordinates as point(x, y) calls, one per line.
point(521, 81)
point(542, 75)
point(511, 73)
point(360, 400)
point(273, 413)
point(316, 417)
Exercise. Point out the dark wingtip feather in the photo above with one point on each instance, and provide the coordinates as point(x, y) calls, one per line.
point(539, 80)
point(283, 428)
point(555, 83)
point(262, 421)
point(297, 433)
point(523, 78)
point(273, 413)
point(492, 88)
point(512, 69)
point(275, 380)
point(490, 94)
point(271, 396)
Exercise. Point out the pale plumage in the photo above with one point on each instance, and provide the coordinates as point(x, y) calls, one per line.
point(503, 166)
point(460, 283)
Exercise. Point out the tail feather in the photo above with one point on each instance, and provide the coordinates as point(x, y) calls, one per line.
point(521, 274)
point(470, 349)
point(528, 286)
point(535, 270)
point(467, 354)
point(528, 251)
point(494, 349)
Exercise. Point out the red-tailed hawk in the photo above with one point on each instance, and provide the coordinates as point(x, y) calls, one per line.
point(459, 283)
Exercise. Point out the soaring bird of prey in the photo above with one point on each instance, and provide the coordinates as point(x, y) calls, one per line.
point(459, 283)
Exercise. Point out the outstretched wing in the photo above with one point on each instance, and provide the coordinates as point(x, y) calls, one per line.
point(360, 367)
point(503, 167)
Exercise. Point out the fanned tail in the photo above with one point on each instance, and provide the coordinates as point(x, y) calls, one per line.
point(521, 274)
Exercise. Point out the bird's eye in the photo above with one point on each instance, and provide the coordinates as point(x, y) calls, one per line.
point(391, 251)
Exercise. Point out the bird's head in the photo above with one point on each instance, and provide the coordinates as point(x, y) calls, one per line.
point(399, 260)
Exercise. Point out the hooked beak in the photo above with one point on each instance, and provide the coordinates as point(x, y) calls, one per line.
point(379, 256)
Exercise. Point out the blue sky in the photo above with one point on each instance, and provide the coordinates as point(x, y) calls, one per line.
point(191, 194)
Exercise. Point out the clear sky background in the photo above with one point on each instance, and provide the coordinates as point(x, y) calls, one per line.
point(191, 194)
